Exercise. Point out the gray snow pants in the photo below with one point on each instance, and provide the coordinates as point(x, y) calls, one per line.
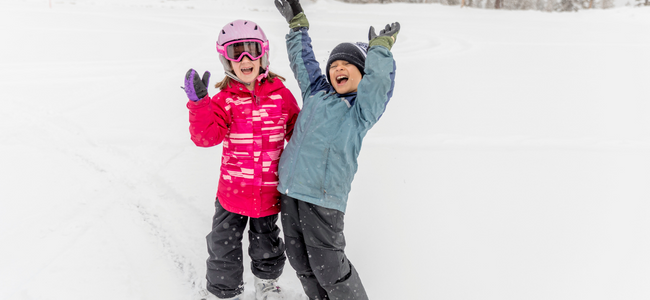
point(225, 266)
point(315, 244)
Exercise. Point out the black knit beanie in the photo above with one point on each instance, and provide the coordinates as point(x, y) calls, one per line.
point(352, 53)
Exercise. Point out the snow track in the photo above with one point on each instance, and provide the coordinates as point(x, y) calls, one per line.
point(511, 163)
point(118, 224)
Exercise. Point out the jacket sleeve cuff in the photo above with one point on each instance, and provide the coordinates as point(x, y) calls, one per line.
point(385, 41)
point(299, 20)
point(198, 104)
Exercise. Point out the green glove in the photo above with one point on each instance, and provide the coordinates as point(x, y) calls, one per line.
point(387, 36)
point(300, 20)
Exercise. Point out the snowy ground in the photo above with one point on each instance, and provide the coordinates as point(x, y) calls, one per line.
point(513, 161)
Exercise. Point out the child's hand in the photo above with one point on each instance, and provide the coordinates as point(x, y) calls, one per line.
point(290, 10)
point(195, 87)
point(391, 31)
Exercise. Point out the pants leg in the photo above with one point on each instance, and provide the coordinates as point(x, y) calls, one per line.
point(225, 267)
point(266, 247)
point(323, 229)
point(317, 246)
point(297, 249)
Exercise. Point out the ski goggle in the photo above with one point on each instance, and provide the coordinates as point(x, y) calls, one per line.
point(236, 50)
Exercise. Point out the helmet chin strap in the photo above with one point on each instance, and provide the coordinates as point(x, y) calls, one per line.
point(233, 76)
point(262, 76)
point(266, 73)
point(259, 78)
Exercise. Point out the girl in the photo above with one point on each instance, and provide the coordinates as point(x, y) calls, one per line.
point(253, 114)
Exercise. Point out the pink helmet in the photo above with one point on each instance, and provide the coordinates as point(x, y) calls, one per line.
point(241, 30)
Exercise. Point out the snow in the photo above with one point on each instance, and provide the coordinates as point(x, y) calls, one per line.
point(513, 161)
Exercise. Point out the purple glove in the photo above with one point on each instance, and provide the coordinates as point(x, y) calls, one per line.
point(195, 87)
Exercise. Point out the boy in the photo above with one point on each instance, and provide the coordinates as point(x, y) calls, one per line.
point(318, 165)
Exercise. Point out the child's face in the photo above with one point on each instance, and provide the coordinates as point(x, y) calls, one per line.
point(344, 76)
point(246, 70)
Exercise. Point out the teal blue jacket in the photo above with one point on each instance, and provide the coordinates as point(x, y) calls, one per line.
point(319, 162)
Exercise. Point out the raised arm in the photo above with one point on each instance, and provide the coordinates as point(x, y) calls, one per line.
point(209, 118)
point(376, 87)
point(304, 65)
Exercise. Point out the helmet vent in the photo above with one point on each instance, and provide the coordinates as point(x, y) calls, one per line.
point(255, 27)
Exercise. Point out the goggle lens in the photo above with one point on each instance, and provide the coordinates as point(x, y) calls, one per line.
point(235, 51)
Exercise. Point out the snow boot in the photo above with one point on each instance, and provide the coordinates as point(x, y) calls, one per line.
point(267, 289)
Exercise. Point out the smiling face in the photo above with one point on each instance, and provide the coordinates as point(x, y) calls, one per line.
point(246, 70)
point(344, 76)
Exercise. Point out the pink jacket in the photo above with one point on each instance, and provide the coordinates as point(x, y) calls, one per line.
point(253, 127)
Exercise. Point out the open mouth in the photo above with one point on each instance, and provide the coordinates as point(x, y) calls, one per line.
point(247, 71)
point(341, 79)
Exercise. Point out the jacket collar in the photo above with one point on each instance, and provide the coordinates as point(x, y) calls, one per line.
point(350, 97)
point(262, 87)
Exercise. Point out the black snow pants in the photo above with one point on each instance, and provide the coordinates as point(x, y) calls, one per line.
point(225, 265)
point(315, 244)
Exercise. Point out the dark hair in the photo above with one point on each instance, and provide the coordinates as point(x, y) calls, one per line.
point(227, 81)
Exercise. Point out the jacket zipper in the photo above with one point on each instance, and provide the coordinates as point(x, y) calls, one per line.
point(257, 192)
